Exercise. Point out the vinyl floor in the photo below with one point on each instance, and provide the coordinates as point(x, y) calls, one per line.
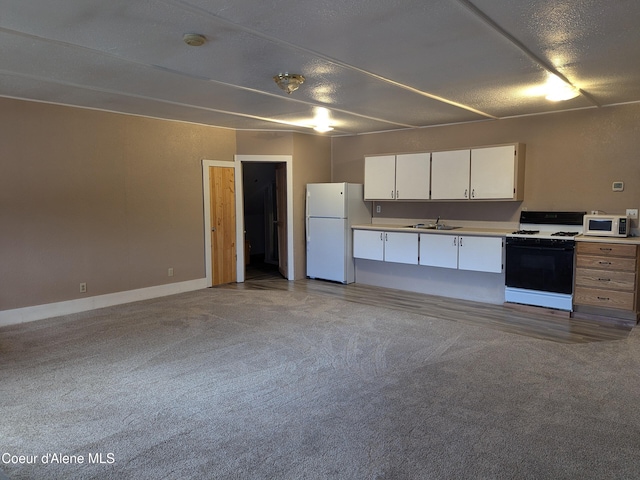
point(530, 322)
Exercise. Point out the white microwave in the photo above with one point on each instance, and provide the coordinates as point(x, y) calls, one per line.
point(606, 225)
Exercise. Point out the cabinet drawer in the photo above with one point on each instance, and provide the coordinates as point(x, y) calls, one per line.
point(606, 279)
point(620, 264)
point(606, 249)
point(603, 298)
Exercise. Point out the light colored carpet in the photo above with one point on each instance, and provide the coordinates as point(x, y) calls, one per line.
point(242, 384)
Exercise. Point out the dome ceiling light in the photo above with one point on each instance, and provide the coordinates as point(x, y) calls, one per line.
point(289, 82)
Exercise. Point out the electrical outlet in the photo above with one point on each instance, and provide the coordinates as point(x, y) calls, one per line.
point(170, 272)
point(83, 287)
point(632, 213)
point(378, 208)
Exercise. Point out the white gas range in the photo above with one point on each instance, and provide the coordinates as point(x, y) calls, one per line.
point(540, 259)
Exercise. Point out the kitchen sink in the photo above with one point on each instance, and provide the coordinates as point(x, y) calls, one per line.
point(431, 226)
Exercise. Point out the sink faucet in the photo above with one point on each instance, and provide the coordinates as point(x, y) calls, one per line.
point(438, 220)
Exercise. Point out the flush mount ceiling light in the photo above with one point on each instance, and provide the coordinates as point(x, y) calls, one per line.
point(289, 82)
point(322, 120)
point(558, 90)
point(194, 39)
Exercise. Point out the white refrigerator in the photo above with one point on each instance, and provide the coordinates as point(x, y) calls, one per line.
point(331, 210)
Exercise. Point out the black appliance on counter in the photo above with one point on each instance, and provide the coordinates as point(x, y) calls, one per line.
point(540, 258)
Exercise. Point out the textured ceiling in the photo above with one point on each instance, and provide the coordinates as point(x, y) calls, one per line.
point(375, 64)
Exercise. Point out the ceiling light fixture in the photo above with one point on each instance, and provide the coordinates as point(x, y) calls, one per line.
point(322, 120)
point(194, 39)
point(289, 82)
point(559, 90)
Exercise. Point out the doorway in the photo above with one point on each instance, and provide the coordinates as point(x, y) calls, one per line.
point(284, 176)
point(263, 222)
point(264, 219)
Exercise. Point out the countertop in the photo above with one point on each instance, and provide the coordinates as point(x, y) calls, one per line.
point(623, 240)
point(487, 232)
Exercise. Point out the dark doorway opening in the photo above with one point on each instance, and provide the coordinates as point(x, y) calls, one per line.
point(261, 220)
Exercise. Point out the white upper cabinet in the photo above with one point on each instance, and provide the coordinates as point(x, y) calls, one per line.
point(413, 176)
point(488, 173)
point(484, 173)
point(494, 173)
point(397, 177)
point(450, 175)
point(380, 177)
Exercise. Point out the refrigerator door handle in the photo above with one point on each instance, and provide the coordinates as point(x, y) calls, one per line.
point(307, 215)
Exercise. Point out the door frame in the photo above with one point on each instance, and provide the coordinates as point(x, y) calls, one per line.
point(237, 165)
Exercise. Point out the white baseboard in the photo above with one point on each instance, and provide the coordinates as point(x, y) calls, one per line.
point(39, 312)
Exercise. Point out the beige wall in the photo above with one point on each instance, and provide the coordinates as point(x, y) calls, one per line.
point(311, 164)
point(572, 158)
point(106, 199)
point(311, 159)
point(115, 200)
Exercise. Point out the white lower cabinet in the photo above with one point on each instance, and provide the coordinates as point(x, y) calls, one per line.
point(368, 244)
point(462, 252)
point(397, 247)
point(401, 247)
point(480, 254)
point(439, 250)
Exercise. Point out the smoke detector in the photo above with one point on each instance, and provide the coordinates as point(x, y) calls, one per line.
point(194, 39)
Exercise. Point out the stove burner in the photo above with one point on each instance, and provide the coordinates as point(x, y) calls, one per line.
point(525, 232)
point(564, 234)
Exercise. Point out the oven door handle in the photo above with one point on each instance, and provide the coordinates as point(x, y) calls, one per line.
point(547, 248)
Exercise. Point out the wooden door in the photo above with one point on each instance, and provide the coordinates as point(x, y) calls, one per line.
point(223, 225)
point(281, 218)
